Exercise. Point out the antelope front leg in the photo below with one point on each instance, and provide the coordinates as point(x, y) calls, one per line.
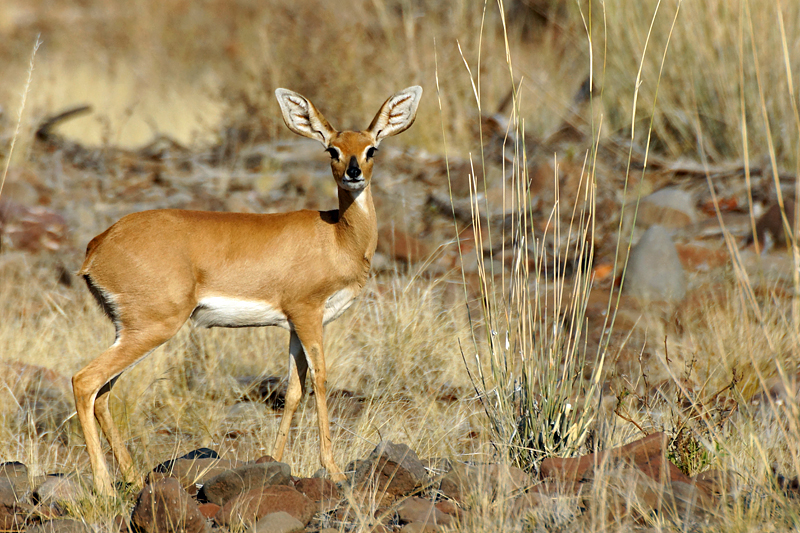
point(310, 336)
point(294, 392)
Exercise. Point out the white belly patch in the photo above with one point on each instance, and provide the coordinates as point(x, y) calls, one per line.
point(338, 304)
point(220, 311)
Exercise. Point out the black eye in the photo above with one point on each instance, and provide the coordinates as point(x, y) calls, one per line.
point(333, 152)
point(371, 152)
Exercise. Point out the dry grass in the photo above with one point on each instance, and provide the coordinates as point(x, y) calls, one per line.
point(400, 347)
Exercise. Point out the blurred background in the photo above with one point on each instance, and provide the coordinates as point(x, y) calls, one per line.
point(190, 69)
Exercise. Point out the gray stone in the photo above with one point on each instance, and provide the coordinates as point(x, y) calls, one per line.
point(14, 477)
point(8, 496)
point(60, 526)
point(654, 269)
point(57, 489)
point(670, 207)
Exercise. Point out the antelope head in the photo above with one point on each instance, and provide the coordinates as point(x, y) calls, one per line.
point(352, 152)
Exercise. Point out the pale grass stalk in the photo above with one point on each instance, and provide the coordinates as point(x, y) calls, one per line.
point(24, 98)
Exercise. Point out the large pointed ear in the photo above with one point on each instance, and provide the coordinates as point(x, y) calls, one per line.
point(397, 114)
point(302, 117)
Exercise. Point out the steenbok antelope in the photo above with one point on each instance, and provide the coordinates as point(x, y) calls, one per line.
point(151, 271)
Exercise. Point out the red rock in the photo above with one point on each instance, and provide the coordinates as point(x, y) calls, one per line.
point(165, 507)
point(448, 507)
point(265, 459)
point(724, 204)
point(13, 517)
point(391, 469)
point(700, 257)
point(317, 488)
point(647, 454)
point(32, 229)
point(422, 511)
point(623, 494)
point(222, 488)
point(566, 469)
point(248, 508)
point(209, 509)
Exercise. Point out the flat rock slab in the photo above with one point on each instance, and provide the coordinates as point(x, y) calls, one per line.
point(224, 487)
point(165, 507)
point(246, 509)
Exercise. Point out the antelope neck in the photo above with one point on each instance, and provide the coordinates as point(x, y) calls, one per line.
point(357, 217)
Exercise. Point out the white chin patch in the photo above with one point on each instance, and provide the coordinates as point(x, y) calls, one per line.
point(353, 186)
point(220, 311)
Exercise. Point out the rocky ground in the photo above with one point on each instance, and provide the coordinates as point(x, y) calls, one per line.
point(391, 489)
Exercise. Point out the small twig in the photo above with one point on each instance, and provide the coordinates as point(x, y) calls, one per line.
point(631, 420)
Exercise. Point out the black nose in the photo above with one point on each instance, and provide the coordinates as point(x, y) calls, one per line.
point(352, 168)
